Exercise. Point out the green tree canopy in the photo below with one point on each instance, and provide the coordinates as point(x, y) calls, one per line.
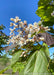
point(46, 12)
point(3, 37)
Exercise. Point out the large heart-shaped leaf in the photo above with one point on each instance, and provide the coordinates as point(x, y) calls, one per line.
point(37, 64)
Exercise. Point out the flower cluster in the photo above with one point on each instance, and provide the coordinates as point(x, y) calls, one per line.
point(21, 32)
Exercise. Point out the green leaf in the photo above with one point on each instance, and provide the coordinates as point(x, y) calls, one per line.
point(15, 57)
point(5, 69)
point(18, 66)
point(37, 64)
point(45, 8)
point(46, 49)
point(51, 63)
point(44, 11)
point(45, 2)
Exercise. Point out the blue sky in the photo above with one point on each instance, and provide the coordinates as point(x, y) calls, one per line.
point(24, 9)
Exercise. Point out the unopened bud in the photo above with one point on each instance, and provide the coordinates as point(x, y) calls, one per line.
point(12, 50)
point(25, 55)
point(11, 19)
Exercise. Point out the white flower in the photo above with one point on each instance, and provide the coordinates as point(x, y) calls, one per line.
point(15, 21)
point(17, 17)
point(37, 30)
point(21, 24)
point(21, 33)
point(25, 22)
point(27, 31)
point(13, 41)
point(23, 52)
point(24, 42)
point(12, 19)
point(11, 30)
point(21, 38)
point(25, 55)
point(36, 25)
point(32, 40)
point(27, 28)
point(14, 37)
point(29, 35)
point(46, 27)
point(9, 41)
point(30, 26)
point(11, 24)
point(13, 50)
point(10, 33)
point(16, 26)
point(47, 30)
point(31, 31)
point(20, 43)
point(27, 40)
point(41, 38)
point(18, 36)
point(40, 22)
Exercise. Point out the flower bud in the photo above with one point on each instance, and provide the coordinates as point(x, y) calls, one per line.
point(25, 22)
point(25, 55)
point(11, 19)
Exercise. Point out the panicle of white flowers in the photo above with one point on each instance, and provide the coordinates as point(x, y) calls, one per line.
point(22, 32)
